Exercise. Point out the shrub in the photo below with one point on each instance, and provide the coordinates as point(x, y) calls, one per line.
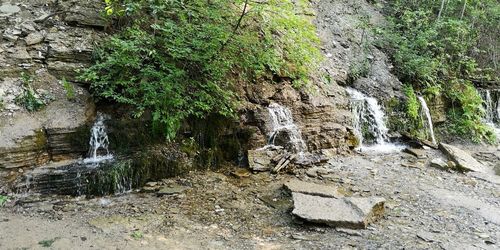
point(29, 98)
point(435, 48)
point(467, 113)
point(69, 88)
point(180, 59)
point(412, 111)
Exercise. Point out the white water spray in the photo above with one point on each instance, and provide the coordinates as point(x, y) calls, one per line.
point(425, 112)
point(282, 121)
point(369, 120)
point(98, 142)
point(491, 100)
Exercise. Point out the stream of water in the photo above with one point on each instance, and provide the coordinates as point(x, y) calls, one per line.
point(491, 100)
point(282, 122)
point(425, 113)
point(369, 124)
point(99, 142)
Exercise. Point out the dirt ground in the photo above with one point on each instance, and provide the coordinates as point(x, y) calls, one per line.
point(426, 208)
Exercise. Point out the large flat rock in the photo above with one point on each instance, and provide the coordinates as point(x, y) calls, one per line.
point(463, 159)
point(351, 212)
point(296, 186)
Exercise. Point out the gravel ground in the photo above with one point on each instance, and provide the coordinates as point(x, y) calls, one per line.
point(426, 208)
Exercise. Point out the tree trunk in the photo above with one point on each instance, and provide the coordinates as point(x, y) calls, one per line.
point(441, 9)
point(463, 10)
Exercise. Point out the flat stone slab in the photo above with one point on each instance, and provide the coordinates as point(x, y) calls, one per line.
point(296, 186)
point(354, 213)
point(463, 159)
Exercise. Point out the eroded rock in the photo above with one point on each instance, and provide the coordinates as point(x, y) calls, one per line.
point(351, 212)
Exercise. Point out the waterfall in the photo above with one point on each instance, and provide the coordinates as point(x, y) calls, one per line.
point(368, 118)
point(427, 114)
point(491, 99)
point(281, 123)
point(369, 123)
point(99, 142)
point(491, 102)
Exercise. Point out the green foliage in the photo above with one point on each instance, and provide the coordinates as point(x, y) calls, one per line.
point(432, 49)
point(359, 69)
point(412, 104)
point(413, 120)
point(47, 243)
point(137, 235)
point(180, 59)
point(467, 113)
point(69, 88)
point(3, 200)
point(1, 103)
point(29, 98)
point(433, 91)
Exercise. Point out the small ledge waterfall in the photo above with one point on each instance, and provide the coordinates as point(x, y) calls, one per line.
point(283, 127)
point(369, 123)
point(424, 112)
point(491, 100)
point(99, 142)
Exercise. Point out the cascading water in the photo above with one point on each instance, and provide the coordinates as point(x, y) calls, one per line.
point(425, 112)
point(369, 123)
point(99, 142)
point(491, 100)
point(282, 123)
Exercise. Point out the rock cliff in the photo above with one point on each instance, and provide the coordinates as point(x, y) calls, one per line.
point(51, 40)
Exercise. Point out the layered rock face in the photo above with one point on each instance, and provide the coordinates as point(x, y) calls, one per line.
point(352, 57)
point(322, 111)
point(50, 40)
point(321, 114)
point(42, 45)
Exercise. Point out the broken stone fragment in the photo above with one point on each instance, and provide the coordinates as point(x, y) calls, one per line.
point(439, 163)
point(296, 186)
point(355, 213)
point(419, 153)
point(34, 38)
point(171, 190)
point(262, 159)
point(8, 9)
point(463, 159)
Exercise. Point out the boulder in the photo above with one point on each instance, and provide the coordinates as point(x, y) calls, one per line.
point(296, 186)
point(463, 159)
point(355, 213)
